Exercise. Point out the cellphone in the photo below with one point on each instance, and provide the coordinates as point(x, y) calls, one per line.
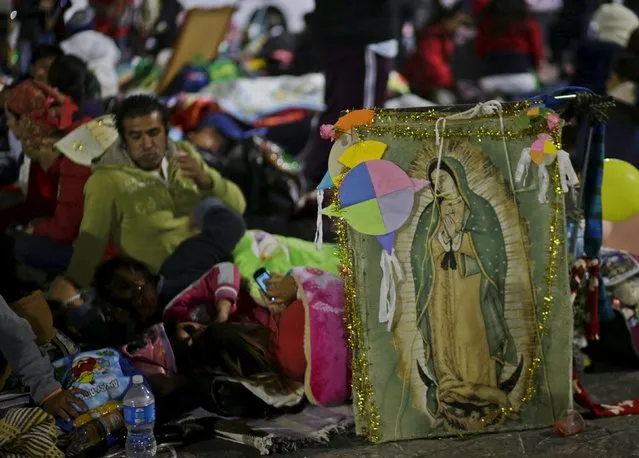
point(260, 276)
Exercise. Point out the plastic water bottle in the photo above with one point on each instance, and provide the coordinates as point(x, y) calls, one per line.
point(139, 418)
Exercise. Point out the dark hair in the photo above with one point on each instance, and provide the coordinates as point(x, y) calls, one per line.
point(443, 13)
point(121, 282)
point(633, 43)
point(506, 14)
point(71, 76)
point(44, 52)
point(627, 68)
point(630, 4)
point(139, 105)
point(243, 351)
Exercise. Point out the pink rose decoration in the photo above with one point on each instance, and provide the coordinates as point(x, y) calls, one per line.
point(327, 132)
point(553, 121)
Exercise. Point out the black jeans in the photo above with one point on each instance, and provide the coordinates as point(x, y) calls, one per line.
point(221, 228)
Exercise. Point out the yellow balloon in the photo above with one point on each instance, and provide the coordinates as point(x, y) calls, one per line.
point(619, 192)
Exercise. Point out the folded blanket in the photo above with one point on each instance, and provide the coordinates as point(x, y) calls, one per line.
point(286, 433)
point(28, 432)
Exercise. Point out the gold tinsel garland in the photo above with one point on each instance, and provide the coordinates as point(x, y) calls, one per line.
point(433, 114)
point(554, 245)
point(363, 392)
point(419, 133)
point(410, 124)
point(363, 395)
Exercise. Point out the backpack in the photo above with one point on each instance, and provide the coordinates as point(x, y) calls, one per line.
point(270, 182)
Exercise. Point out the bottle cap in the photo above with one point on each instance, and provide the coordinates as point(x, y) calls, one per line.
point(138, 380)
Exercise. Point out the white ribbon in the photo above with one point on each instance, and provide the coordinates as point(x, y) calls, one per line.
point(391, 272)
point(522, 167)
point(544, 183)
point(319, 226)
point(481, 109)
point(485, 108)
point(567, 175)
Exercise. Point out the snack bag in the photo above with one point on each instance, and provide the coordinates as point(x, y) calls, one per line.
point(104, 374)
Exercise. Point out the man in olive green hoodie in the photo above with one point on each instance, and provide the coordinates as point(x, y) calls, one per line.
point(141, 195)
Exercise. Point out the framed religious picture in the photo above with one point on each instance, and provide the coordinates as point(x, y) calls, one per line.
point(451, 231)
point(200, 36)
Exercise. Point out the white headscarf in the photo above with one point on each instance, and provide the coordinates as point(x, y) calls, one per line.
point(615, 23)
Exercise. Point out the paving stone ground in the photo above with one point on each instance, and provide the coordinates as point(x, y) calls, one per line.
point(602, 438)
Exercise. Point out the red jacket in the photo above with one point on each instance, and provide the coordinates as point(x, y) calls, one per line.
point(525, 39)
point(479, 5)
point(69, 180)
point(109, 15)
point(55, 197)
point(429, 66)
point(40, 200)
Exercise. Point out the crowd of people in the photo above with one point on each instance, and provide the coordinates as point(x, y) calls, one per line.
point(141, 235)
point(148, 224)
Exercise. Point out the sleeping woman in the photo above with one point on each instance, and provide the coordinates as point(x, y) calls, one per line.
point(300, 324)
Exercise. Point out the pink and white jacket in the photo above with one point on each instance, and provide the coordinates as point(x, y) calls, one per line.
point(197, 302)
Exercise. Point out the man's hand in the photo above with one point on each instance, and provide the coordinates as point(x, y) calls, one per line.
point(65, 404)
point(223, 307)
point(282, 288)
point(191, 169)
point(30, 229)
point(62, 290)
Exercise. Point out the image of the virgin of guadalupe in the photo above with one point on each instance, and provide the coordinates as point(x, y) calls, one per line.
point(472, 363)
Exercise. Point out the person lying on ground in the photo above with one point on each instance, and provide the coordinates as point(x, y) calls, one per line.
point(269, 181)
point(295, 306)
point(136, 287)
point(142, 193)
point(242, 379)
point(18, 348)
point(97, 50)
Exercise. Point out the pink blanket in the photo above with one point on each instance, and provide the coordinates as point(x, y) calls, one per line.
point(328, 358)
